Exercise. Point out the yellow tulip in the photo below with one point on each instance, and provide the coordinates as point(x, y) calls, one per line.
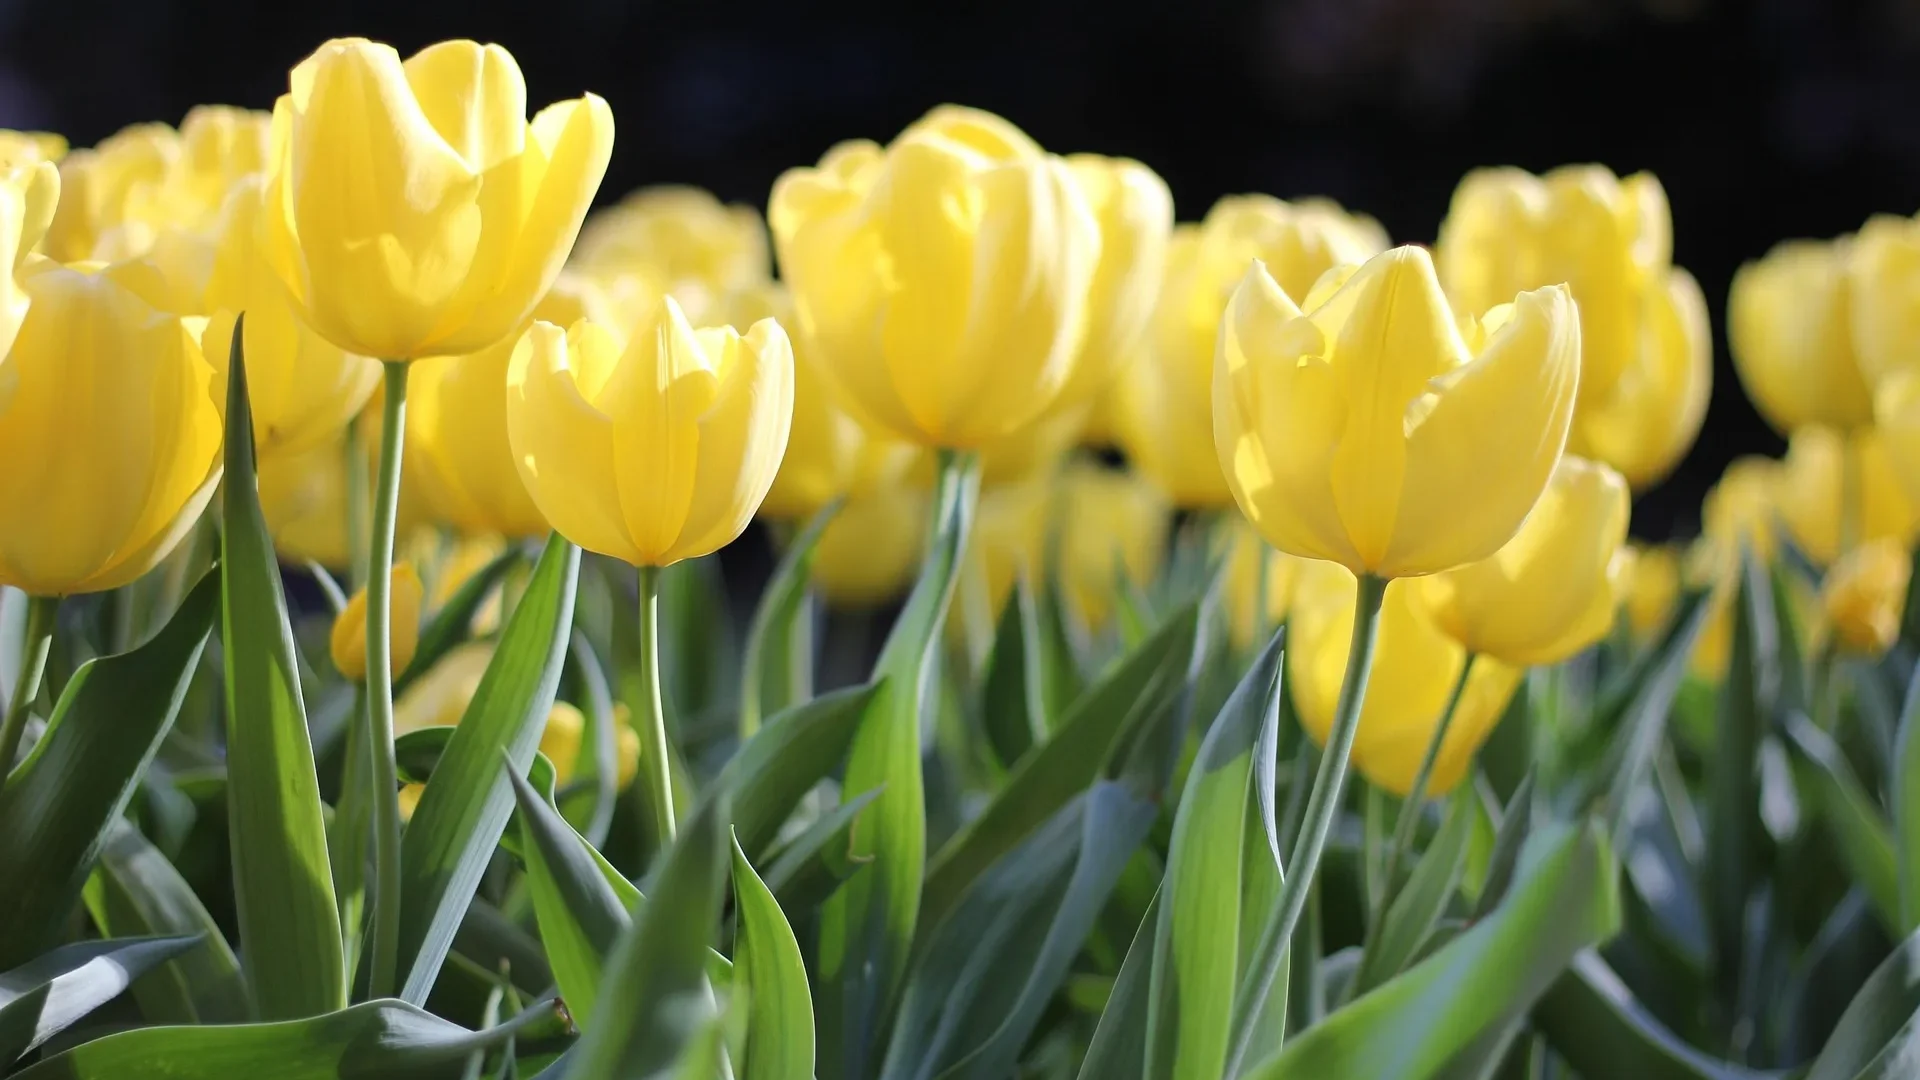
point(1240, 582)
point(868, 554)
point(457, 429)
point(302, 388)
point(657, 453)
point(1164, 405)
point(1648, 419)
point(1897, 410)
point(412, 209)
point(348, 642)
point(27, 197)
point(1113, 528)
point(1135, 212)
point(1652, 578)
point(946, 287)
point(1740, 511)
point(304, 499)
point(1550, 592)
point(106, 415)
point(676, 239)
point(1884, 280)
point(19, 148)
point(1811, 495)
point(1610, 239)
point(1034, 451)
point(1366, 431)
point(1790, 324)
point(1415, 667)
point(1864, 596)
point(562, 740)
point(1008, 543)
point(97, 186)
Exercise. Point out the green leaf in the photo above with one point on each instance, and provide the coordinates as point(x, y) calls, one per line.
point(1566, 899)
point(1197, 952)
point(1746, 701)
point(654, 999)
point(1119, 1047)
point(1906, 805)
point(1592, 1020)
point(1031, 674)
point(867, 927)
point(1417, 907)
point(417, 753)
point(810, 868)
point(290, 943)
point(1134, 693)
point(791, 753)
point(1642, 720)
point(59, 804)
point(1516, 823)
point(1878, 1037)
point(136, 892)
point(579, 913)
point(42, 998)
point(767, 964)
point(375, 1040)
point(467, 801)
point(452, 624)
point(776, 668)
point(1861, 835)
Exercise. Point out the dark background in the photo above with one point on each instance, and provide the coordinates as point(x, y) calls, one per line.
point(1764, 120)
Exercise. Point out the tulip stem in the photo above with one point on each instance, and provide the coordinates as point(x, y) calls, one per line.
point(33, 664)
point(1322, 804)
point(653, 731)
point(1415, 801)
point(384, 941)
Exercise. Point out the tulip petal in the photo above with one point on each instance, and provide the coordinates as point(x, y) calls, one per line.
point(474, 96)
point(742, 436)
point(563, 446)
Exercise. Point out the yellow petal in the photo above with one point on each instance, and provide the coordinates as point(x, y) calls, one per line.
point(348, 641)
point(563, 446)
point(1789, 323)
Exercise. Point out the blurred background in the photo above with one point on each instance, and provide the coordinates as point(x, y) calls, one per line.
point(1764, 119)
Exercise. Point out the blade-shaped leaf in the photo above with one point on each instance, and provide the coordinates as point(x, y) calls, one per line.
point(1591, 1019)
point(290, 944)
point(136, 892)
point(1642, 720)
point(467, 801)
point(1906, 805)
point(811, 867)
point(774, 674)
point(1745, 704)
point(60, 802)
point(1119, 1047)
point(768, 966)
point(1516, 824)
point(579, 913)
point(452, 624)
point(1860, 832)
point(41, 998)
point(1417, 907)
point(1878, 1037)
point(792, 752)
point(1032, 675)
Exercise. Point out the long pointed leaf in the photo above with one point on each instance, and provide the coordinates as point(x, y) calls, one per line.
point(768, 966)
point(1878, 1037)
point(1119, 1047)
point(579, 914)
point(792, 752)
point(1417, 908)
point(1591, 1020)
point(772, 677)
point(42, 998)
point(136, 892)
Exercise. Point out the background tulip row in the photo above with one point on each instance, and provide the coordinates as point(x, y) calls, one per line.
point(378, 703)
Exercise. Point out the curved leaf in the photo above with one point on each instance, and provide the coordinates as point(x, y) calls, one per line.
point(767, 964)
point(777, 666)
point(1878, 1037)
point(136, 892)
point(1860, 831)
point(811, 867)
point(1119, 1047)
point(791, 753)
point(42, 998)
point(1591, 1019)
point(451, 625)
point(579, 914)
point(1417, 907)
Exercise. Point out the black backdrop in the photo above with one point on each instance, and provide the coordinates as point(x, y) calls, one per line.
point(1764, 119)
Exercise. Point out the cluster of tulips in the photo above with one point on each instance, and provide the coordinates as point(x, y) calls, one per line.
point(1419, 461)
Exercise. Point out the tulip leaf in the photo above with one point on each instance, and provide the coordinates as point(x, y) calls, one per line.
point(1516, 823)
point(464, 809)
point(1906, 803)
point(42, 998)
point(136, 892)
point(1565, 898)
point(375, 1039)
point(1032, 675)
point(1416, 908)
point(1878, 1037)
point(452, 624)
point(867, 927)
point(417, 753)
point(1642, 721)
point(768, 966)
point(1861, 835)
point(579, 913)
point(812, 866)
point(1746, 701)
point(1196, 960)
point(777, 664)
point(1119, 1047)
point(1134, 694)
point(60, 803)
point(1591, 1019)
point(793, 751)
point(654, 999)
point(290, 944)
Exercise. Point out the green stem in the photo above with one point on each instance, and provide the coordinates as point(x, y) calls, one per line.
point(1411, 806)
point(358, 508)
point(1322, 804)
point(654, 766)
point(385, 939)
point(33, 664)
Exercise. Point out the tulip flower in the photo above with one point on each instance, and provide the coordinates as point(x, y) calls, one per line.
point(1835, 491)
point(1897, 411)
point(1113, 535)
point(678, 240)
point(1738, 512)
point(1164, 407)
point(1135, 213)
point(1864, 596)
point(1242, 579)
point(1789, 322)
point(348, 640)
point(867, 554)
point(27, 197)
point(302, 388)
point(1648, 419)
point(19, 148)
point(1652, 576)
point(1883, 277)
point(1551, 591)
point(304, 498)
point(946, 286)
point(1008, 544)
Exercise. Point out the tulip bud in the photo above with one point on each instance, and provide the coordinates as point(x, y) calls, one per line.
point(1365, 431)
point(1811, 493)
point(1113, 531)
point(1415, 667)
point(1883, 277)
point(1789, 322)
point(676, 239)
point(348, 642)
point(1864, 596)
point(106, 413)
point(303, 497)
point(657, 453)
point(412, 209)
point(946, 287)
point(1652, 576)
point(1648, 419)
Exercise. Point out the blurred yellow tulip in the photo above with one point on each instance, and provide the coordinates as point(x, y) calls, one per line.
point(348, 641)
point(1367, 431)
point(1415, 667)
point(1551, 591)
point(1790, 324)
point(28, 194)
point(1652, 576)
point(676, 239)
point(1740, 511)
point(1884, 280)
point(457, 429)
point(1648, 419)
point(562, 740)
point(1240, 582)
point(1008, 543)
point(657, 453)
point(1163, 411)
point(1135, 212)
point(945, 285)
point(869, 552)
point(304, 500)
point(106, 415)
point(1864, 596)
point(1113, 530)
point(19, 148)
point(302, 388)
point(412, 209)
point(1812, 498)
